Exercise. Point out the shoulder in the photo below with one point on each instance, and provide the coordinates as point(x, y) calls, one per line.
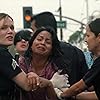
point(4, 51)
point(5, 55)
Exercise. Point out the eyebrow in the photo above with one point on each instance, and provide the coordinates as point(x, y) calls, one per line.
point(43, 36)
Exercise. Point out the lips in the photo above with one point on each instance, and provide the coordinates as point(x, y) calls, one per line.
point(10, 38)
point(23, 46)
point(41, 48)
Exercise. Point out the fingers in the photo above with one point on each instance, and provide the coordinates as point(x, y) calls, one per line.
point(37, 81)
point(44, 82)
point(33, 80)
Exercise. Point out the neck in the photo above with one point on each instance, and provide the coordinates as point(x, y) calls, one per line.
point(96, 54)
point(39, 62)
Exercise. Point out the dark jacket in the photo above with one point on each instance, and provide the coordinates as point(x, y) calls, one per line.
point(74, 60)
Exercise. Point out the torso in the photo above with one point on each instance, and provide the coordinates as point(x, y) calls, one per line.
point(93, 76)
point(8, 70)
point(47, 72)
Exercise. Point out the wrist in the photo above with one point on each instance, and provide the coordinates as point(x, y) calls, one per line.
point(50, 84)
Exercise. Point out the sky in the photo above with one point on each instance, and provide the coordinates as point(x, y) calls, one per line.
point(75, 9)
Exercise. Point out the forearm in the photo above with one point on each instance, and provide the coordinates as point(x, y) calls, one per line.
point(28, 81)
point(87, 96)
point(74, 89)
point(22, 81)
point(51, 92)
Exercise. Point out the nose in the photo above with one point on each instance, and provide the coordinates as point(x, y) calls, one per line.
point(85, 39)
point(43, 42)
point(10, 31)
point(23, 40)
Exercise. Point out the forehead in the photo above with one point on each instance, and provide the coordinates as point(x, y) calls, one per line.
point(6, 21)
point(45, 34)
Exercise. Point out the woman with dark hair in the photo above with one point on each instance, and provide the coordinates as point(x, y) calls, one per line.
point(76, 64)
point(40, 58)
point(21, 42)
point(92, 77)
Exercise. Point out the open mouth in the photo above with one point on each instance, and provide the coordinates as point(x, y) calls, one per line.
point(23, 46)
point(41, 48)
point(10, 38)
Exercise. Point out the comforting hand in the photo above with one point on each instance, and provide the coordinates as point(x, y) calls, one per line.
point(33, 80)
point(60, 81)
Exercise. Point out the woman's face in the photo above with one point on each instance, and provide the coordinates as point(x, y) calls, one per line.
point(92, 41)
point(22, 46)
point(42, 45)
point(6, 31)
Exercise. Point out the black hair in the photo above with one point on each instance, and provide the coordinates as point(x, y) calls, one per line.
point(95, 26)
point(22, 34)
point(45, 19)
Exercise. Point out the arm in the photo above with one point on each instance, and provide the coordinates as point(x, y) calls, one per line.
point(27, 82)
point(87, 96)
point(51, 92)
point(74, 89)
point(49, 88)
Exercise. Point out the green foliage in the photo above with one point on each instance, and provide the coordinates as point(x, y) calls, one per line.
point(76, 37)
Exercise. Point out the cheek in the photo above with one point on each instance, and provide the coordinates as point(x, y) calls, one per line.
point(33, 47)
point(49, 48)
point(2, 36)
point(92, 45)
point(18, 46)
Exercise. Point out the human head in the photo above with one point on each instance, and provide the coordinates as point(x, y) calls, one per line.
point(6, 30)
point(55, 42)
point(21, 40)
point(93, 35)
point(43, 19)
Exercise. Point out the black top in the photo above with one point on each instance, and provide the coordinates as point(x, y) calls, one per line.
point(8, 69)
point(74, 61)
point(92, 77)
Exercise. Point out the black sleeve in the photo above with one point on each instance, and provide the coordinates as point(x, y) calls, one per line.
point(8, 66)
point(91, 75)
point(82, 62)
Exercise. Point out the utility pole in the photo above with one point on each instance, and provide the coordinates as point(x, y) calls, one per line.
point(87, 10)
point(60, 16)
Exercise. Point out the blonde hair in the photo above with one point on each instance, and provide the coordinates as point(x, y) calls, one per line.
point(4, 16)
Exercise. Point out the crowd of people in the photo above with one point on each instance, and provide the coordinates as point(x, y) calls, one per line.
point(45, 68)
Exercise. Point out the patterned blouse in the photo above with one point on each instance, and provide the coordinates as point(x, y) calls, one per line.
point(47, 72)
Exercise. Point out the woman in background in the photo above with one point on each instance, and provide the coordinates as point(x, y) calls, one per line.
point(92, 77)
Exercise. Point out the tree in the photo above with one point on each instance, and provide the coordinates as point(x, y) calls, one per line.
point(76, 38)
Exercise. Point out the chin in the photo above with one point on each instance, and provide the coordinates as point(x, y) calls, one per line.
point(9, 43)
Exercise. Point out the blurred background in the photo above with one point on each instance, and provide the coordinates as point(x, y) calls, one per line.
point(71, 15)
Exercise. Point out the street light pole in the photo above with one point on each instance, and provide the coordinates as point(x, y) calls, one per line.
point(60, 16)
point(87, 10)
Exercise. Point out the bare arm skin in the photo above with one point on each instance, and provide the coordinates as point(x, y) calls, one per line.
point(49, 88)
point(87, 96)
point(27, 82)
point(74, 89)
